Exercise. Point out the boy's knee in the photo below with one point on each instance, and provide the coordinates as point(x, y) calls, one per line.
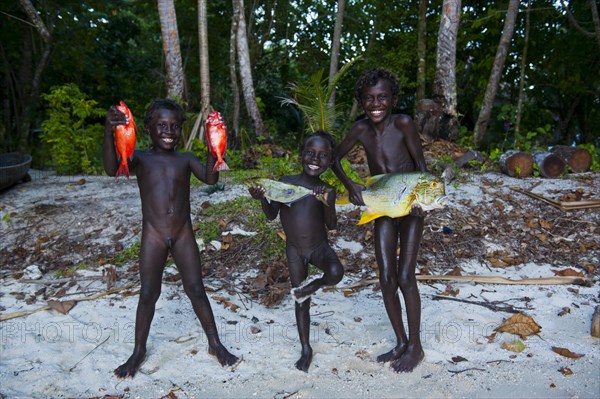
point(335, 275)
point(407, 281)
point(195, 290)
point(149, 296)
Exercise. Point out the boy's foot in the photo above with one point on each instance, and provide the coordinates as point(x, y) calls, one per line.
point(409, 360)
point(302, 292)
point(223, 356)
point(392, 355)
point(305, 359)
point(131, 366)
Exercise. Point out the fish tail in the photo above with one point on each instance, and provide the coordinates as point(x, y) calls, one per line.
point(219, 166)
point(323, 198)
point(123, 169)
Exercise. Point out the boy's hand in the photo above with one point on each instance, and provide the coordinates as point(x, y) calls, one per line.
point(320, 192)
point(355, 194)
point(257, 192)
point(115, 117)
point(416, 210)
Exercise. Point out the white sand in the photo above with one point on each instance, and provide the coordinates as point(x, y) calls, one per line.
point(48, 354)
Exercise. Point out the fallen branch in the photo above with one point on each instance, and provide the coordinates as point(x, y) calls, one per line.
point(491, 306)
point(562, 205)
point(556, 280)
point(14, 315)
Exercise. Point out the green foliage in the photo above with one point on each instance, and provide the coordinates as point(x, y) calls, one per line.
point(128, 254)
point(74, 139)
point(313, 97)
point(330, 177)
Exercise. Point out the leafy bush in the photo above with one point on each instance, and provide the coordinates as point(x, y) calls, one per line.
point(75, 140)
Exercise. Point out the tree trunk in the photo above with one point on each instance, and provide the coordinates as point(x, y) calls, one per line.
point(171, 49)
point(519, 110)
point(246, 73)
point(198, 129)
point(549, 164)
point(422, 50)
point(494, 81)
point(578, 159)
point(335, 48)
point(516, 163)
point(233, 132)
point(444, 85)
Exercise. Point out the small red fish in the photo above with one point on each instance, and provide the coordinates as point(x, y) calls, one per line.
point(216, 138)
point(125, 140)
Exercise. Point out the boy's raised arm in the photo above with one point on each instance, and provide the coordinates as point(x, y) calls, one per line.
point(354, 189)
point(204, 172)
point(109, 152)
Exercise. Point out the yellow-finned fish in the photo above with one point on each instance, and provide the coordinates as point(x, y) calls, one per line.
point(394, 194)
point(284, 192)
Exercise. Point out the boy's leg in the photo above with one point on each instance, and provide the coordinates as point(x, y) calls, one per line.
point(187, 258)
point(153, 254)
point(411, 232)
point(298, 268)
point(386, 243)
point(325, 258)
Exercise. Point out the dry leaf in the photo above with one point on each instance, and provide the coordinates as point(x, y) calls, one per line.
point(564, 311)
point(281, 235)
point(520, 325)
point(566, 353)
point(458, 359)
point(347, 293)
point(567, 272)
point(515, 346)
point(545, 224)
point(566, 371)
point(61, 306)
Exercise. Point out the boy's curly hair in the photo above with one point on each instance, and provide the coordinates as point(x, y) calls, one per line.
point(371, 77)
point(164, 103)
point(325, 136)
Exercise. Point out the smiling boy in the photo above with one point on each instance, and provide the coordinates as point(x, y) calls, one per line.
point(392, 144)
point(305, 223)
point(163, 177)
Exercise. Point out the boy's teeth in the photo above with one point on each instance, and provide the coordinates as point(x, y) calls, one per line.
point(313, 167)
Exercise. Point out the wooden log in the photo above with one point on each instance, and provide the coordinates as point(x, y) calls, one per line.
point(578, 159)
point(516, 163)
point(549, 164)
point(471, 155)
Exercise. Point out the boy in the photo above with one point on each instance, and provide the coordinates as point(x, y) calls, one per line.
point(163, 177)
point(392, 144)
point(304, 223)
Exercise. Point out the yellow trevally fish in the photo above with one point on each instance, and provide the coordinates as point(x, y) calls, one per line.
point(394, 194)
point(284, 192)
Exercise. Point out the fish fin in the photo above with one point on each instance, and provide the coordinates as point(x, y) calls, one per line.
point(367, 216)
point(123, 170)
point(343, 200)
point(323, 198)
point(372, 180)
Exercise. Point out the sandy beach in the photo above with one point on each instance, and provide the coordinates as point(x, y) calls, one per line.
point(51, 354)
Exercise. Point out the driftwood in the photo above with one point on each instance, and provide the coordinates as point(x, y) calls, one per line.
point(516, 163)
point(428, 115)
point(24, 313)
point(578, 159)
point(556, 280)
point(562, 205)
point(549, 164)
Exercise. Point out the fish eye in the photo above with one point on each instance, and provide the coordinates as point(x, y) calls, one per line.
point(435, 184)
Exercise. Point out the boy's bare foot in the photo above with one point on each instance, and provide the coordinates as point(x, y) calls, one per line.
point(392, 355)
point(409, 360)
point(305, 359)
point(299, 294)
point(131, 366)
point(223, 356)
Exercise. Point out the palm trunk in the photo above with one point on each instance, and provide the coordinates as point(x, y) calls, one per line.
point(492, 87)
point(335, 48)
point(422, 49)
point(171, 49)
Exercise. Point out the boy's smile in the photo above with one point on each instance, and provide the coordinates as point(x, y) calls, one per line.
point(165, 130)
point(316, 156)
point(378, 101)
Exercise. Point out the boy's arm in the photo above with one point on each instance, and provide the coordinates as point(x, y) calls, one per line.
point(271, 209)
point(413, 141)
point(109, 152)
point(204, 172)
point(354, 189)
point(329, 213)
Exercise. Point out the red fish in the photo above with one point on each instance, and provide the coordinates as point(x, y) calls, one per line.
point(216, 137)
point(125, 140)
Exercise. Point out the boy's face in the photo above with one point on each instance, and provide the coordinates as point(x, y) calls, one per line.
point(316, 157)
point(377, 101)
point(164, 130)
